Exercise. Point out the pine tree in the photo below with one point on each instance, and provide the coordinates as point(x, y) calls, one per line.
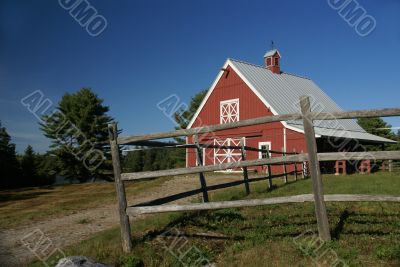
point(9, 165)
point(29, 167)
point(134, 161)
point(379, 127)
point(183, 116)
point(78, 129)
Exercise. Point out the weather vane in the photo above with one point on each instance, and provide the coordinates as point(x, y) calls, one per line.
point(272, 45)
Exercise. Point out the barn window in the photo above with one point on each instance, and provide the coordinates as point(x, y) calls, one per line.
point(229, 111)
point(264, 146)
point(276, 61)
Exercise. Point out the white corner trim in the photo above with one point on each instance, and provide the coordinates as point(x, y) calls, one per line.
point(187, 153)
point(221, 72)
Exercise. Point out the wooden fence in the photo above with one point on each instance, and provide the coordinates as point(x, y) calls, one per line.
point(312, 157)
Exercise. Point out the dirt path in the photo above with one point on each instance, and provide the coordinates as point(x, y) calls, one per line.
point(67, 230)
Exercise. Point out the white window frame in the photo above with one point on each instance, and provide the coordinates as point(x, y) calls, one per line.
point(263, 144)
point(230, 101)
point(228, 142)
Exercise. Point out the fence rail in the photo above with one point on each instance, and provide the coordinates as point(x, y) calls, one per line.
point(378, 155)
point(134, 211)
point(312, 157)
point(261, 120)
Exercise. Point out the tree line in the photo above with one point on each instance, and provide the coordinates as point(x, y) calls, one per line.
point(29, 169)
point(79, 125)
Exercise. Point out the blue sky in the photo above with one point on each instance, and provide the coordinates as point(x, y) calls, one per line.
point(152, 49)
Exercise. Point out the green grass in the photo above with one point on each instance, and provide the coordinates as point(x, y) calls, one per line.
point(364, 234)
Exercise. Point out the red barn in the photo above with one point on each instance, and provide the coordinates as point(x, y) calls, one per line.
point(244, 91)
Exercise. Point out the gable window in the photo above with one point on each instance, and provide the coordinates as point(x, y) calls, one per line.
point(229, 111)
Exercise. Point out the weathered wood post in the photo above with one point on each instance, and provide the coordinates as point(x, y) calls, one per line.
point(269, 171)
point(390, 165)
point(199, 156)
point(245, 172)
point(120, 189)
point(295, 166)
point(284, 165)
point(320, 208)
point(303, 168)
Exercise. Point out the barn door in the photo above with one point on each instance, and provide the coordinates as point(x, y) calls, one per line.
point(222, 155)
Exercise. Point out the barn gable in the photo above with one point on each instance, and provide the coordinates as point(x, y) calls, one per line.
point(231, 99)
point(231, 69)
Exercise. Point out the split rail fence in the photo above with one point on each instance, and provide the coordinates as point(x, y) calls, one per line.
point(312, 158)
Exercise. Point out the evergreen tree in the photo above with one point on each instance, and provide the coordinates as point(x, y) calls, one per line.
point(379, 127)
point(9, 165)
point(183, 116)
point(149, 161)
point(165, 158)
point(78, 129)
point(47, 168)
point(29, 167)
point(134, 160)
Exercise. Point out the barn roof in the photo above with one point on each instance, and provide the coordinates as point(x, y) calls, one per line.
point(281, 94)
point(271, 53)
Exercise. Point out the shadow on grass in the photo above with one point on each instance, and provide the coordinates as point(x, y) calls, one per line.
point(339, 227)
point(21, 194)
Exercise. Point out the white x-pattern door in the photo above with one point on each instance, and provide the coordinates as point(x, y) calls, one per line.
point(222, 155)
point(229, 111)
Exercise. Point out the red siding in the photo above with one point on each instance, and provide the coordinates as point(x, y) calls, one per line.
point(229, 87)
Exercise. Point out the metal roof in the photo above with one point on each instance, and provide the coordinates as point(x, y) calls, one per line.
point(283, 91)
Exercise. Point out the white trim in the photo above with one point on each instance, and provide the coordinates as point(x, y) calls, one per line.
point(228, 152)
point(203, 151)
point(204, 156)
point(261, 144)
point(261, 97)
point(252, 88)
point(284, 139)
point(187, 153)
point(208, 94)
point(277, 51)
point(229, 101)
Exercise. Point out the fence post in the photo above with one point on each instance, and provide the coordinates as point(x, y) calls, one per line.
point(303, 174)
point(295, 166)
point(390, 165)
point(269, 171)
point(120, 189)
point(245, 173)
point(320, 209)
point(199, 156)
point(284, 165)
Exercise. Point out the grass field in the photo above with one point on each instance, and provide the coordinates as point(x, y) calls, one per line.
point(364, 234)
point(32, 204)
